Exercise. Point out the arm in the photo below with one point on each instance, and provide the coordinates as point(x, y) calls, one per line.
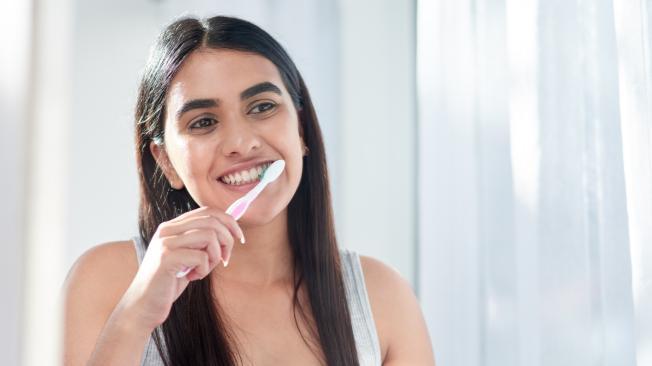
point(112, 304)
point(401, 327)
point(98, 331)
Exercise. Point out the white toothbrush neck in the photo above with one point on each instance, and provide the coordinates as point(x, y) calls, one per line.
point(251, 195)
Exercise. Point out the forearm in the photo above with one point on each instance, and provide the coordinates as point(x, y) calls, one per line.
point(121, 342)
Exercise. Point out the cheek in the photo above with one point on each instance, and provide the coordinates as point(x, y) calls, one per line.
point(191, 159)
point(294, 162)
point(292, 150)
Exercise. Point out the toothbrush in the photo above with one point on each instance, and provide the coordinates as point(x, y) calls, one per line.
point(238, 208)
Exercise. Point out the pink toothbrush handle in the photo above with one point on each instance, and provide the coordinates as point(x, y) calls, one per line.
point(238, 208)
point(184, 272)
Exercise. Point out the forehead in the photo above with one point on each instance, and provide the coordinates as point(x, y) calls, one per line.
point(220, 74)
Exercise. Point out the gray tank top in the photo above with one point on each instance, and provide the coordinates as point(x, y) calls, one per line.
point(364, 328)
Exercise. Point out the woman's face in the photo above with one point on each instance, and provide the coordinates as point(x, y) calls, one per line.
point(229, 112)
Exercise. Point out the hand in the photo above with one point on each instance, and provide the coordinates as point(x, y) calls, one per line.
point(198, 239)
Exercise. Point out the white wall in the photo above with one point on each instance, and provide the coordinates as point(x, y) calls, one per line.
point(377, 132)
point(111, 45)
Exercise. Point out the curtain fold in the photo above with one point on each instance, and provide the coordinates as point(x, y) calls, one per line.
point(632, 19)
point(535, 181)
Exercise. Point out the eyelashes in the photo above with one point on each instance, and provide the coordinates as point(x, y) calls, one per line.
point(202, 123)
point(206, 122)
point(263, 107)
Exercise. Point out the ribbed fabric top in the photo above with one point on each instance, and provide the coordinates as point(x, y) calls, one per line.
point(364, 328)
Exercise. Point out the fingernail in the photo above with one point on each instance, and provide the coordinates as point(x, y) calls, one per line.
point(242, 239)
point(225, 263)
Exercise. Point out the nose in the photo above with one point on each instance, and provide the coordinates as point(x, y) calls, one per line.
point(238, 138)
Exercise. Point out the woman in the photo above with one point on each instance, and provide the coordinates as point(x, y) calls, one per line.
point(219, 98)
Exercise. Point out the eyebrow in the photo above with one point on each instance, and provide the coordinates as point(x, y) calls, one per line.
point(251, 91)
point(196, 104)
point(259, 88)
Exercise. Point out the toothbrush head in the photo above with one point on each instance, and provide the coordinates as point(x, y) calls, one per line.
point(273, 171)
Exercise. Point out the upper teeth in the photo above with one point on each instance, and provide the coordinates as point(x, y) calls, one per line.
point(245, 176)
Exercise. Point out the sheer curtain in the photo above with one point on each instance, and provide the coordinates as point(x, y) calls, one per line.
point(535, 181)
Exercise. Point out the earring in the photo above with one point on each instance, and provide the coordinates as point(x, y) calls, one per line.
point(171, 187)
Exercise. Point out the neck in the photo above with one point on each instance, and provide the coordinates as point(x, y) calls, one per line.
point(265, 259)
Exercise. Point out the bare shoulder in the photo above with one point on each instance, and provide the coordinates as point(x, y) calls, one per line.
point(399, 320)
point(101, 275)
point(95, 284)
point(380, 276)
point(115, 262)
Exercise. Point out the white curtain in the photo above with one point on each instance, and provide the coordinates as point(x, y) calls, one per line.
point(535, 181)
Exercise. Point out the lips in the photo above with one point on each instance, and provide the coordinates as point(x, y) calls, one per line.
point(243, 188)
point(244, 166)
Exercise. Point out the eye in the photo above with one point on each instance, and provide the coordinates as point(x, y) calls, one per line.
point(262, 107)
point(202, 123)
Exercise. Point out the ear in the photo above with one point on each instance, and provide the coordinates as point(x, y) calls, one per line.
point(300, 127)
point(163, 161)
point(303, 141)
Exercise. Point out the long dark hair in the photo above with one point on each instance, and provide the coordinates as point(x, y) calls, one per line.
point(194, 333)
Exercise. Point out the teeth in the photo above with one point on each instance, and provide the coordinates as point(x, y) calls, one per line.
point(253, 173)
point(245, 176)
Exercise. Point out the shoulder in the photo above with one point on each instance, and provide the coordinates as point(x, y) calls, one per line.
point(113, 260)
point(389, 293)
point(114, 250)
point(399, 320)
point(380, 276)
point(103, 271)
point(95, 284)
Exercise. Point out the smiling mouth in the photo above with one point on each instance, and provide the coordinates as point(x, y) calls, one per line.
point(246, 176)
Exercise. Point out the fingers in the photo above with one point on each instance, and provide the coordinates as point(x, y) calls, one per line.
point(206, 239)
point(193, 231)
point(230, 223)
point(203, 230)
point(225, 240)
point(200, 218)
point(183, 258)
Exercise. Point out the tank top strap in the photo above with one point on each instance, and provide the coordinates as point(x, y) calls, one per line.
point(151, 356)
point(140, 248)
point(364, 326)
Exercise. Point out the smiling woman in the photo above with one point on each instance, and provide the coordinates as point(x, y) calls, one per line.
point(228, 112)
point(219, 101)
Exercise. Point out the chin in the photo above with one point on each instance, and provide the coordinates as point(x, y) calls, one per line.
point(255, 217)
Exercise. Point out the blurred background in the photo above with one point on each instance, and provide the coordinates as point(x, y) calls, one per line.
point(497, 153)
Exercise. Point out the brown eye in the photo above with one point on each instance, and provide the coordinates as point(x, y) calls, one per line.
point(202, 123)
point(262, 107)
